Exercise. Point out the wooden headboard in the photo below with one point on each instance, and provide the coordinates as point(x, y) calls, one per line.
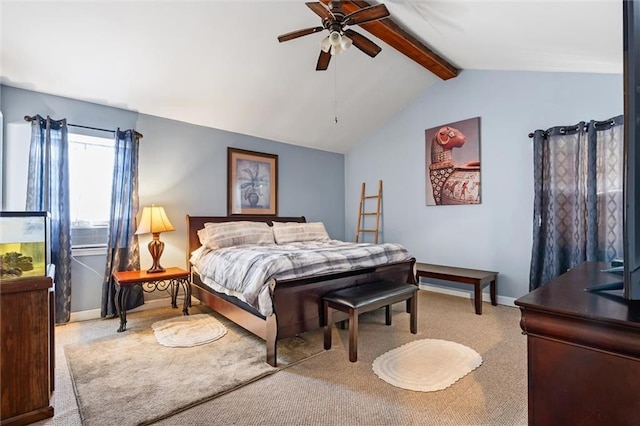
point(196, 223)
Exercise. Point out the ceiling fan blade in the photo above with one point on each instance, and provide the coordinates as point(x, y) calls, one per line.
point(367, 14)
point(321, 10)
point(298, 33)
point(363, 43)
point(323, 61)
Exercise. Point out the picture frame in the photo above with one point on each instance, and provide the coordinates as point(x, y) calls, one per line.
point(452, 158)
point(252, 183)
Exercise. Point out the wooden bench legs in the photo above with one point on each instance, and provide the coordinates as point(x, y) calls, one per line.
point(478, 278)
point(477, 294)
point(343, 303)
point(353, 330)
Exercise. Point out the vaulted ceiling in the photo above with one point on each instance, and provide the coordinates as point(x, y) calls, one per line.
point(219, 63)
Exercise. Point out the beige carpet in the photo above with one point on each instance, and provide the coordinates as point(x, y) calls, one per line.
point(327, 389)
point(426, 365)
point(129, 378)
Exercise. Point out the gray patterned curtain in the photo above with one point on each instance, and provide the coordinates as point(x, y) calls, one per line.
point(123, 253)
point(48, 190)
point(578, 174)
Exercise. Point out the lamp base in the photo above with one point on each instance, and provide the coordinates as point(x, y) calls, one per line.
point(156, 247)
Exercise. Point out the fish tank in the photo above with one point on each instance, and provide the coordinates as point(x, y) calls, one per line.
point(24, 244)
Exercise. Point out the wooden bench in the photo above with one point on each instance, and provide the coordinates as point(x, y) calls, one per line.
point(364, 298)
point(479, 279)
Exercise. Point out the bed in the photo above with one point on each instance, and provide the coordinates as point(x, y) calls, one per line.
point(296, 302)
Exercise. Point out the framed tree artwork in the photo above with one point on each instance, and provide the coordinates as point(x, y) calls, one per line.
point(252, 183)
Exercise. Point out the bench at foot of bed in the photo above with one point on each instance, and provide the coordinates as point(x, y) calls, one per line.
point(364, 298)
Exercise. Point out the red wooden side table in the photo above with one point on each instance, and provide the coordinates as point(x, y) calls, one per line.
point(171, 278)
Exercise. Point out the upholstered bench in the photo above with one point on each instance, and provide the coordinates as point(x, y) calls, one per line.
point(365, 298)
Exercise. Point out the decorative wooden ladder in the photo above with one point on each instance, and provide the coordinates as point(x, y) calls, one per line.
point(363, 212)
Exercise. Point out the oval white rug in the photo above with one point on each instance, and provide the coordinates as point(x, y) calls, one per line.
point(426, 365)
point(188, 330)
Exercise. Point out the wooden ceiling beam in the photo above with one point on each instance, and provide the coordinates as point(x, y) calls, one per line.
point(395, 36)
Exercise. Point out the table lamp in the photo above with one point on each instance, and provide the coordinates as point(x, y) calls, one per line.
point(154, 221)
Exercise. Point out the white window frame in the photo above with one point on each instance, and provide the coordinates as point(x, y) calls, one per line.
point(89, 250)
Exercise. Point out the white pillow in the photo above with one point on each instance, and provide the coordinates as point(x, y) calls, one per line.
point(227, 234)
point(290, 232)
point(202, 236)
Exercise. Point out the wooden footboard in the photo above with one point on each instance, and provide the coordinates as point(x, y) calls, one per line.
point(297, 306)
point(297, 303)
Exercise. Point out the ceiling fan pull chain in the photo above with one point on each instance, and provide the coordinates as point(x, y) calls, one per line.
point(335, 88)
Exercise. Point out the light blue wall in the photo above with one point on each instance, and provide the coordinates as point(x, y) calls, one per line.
point(497, 234)
point(182, 167)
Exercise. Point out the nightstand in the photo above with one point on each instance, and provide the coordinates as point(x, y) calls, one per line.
point(171, 278)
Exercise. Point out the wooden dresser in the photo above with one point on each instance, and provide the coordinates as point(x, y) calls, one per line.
point(26, 350)
point(583, 351)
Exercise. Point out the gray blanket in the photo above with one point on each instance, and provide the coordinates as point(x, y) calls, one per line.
point(248, 271)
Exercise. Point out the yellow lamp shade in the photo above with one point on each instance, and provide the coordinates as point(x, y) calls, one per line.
point(154, 220)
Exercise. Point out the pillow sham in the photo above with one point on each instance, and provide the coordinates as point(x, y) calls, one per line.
point(202, 236)
point(291, 232)
point(227, 234)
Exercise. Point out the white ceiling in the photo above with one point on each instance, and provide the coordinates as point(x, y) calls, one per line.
point(219, 64)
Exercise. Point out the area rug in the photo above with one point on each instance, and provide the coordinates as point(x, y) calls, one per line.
point(130, 379)
point(188, 330)
point(426, 365)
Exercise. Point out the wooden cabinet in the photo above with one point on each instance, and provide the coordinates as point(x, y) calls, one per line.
point(26, 350)
point(583, 351)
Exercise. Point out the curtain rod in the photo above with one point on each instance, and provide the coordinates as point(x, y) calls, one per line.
point(546, 132)
point(610, 122)
point(30, 119)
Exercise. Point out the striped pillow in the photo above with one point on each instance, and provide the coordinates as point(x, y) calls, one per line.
point(291, 232)
point(227, 234)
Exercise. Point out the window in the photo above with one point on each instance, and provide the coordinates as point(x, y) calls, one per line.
point(90, 180)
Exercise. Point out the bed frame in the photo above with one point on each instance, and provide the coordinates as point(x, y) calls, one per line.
point(297, 303)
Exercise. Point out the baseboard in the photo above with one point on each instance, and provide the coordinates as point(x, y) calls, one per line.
point(165, 301)
point(151, 304)
point(502, 300)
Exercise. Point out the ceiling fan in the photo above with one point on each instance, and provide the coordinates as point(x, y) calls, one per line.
point(340, 38)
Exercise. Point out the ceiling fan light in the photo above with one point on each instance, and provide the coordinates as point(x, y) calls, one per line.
point(345, 43)
point(335, 38)
point(325, 44)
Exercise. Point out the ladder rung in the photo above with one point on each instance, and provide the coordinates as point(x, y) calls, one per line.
point(362, 213)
